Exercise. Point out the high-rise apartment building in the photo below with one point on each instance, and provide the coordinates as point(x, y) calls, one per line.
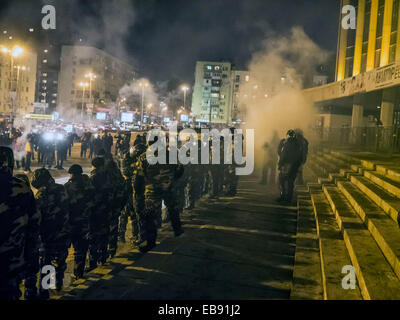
point(90, 77)
point(17, 80)
point(215, 92)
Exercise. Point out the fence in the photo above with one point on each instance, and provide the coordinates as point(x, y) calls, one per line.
point(373, 139)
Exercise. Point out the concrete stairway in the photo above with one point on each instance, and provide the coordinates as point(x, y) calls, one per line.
point(356, 205)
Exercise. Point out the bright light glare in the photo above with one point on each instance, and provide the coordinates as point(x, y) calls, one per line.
point(16, 51)
point(48, 136)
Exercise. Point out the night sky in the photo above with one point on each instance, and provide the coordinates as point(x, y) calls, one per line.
point(164, 38)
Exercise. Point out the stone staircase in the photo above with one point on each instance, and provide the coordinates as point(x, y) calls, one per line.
point(354, 208)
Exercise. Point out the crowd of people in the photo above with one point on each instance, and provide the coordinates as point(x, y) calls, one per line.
point(91, 212)
point(52, 148)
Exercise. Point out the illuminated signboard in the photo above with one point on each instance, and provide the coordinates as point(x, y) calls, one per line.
point(39, 116)
point(101, 116)
point(127, 117)
point(184, 117)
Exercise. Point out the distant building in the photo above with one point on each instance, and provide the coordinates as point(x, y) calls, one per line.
point(109, 74)
point(47, 77)
point(17, 82)
point(215, 92)
point(238, 78)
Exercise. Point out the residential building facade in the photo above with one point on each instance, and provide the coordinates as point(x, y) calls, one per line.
point(17, 82)
point(215, 93)
point(90, 78)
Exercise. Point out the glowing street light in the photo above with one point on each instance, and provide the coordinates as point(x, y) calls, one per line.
point(184, 89)
point(16, 51)
point(91, 77)
point(143, 86)
point(83, 85)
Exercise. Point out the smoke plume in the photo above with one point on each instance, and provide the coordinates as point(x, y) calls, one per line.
point(272, 97)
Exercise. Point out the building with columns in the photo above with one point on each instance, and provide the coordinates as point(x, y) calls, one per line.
point(367, 80)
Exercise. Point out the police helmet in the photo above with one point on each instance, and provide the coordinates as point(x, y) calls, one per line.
point(6, 157)
point(75, 169)
point(98, 162)
point(291, 133)
point(40, 178)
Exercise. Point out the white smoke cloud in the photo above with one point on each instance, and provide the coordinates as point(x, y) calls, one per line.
point(272, 97)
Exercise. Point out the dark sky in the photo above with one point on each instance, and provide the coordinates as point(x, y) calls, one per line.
point(164, 38)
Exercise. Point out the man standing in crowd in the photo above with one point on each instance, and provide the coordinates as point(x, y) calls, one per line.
point(304, 147)
point(51, 200)
point(100, 218)
point(290, 158)
point(80, 194)
point(19, 227)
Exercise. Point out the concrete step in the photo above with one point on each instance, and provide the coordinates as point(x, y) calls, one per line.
point(385, 200)
point(347, 173)
point(382, 228)
point(368, 164)
point(333, 253)
point(326, 166)
point(309, 174)
point(337, 161)
point(384, 182)
point(307, 281)
point(375, 276)
point(357, 168)
point(349, 159)
point(390, 171)
point(335, 177)
point(324, 181)
point(315, 186)
point(316, 167)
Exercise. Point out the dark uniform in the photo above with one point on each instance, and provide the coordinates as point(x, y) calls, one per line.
point(147, 180)
point(173, 182)
point(304, 153)
point(31, 249)
point(19, 230)
point(100, 217)
point(290, 158)
point(134, 204)
point(80, 193)
point(52, 204)
point(118, 202)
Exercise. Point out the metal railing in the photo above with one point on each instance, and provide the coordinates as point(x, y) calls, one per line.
point(373, 139)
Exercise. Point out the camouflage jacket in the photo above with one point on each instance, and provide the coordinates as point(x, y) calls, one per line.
point(102, 198)
point(52, 203)
point(148, 178)
point(80, 192)
point(19, 225)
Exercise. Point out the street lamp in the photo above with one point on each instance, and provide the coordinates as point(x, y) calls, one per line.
point(83, 85)
point(91, 77)
point(184, 89)
point(143, 86)
point(17, 91)
point(15, 52)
